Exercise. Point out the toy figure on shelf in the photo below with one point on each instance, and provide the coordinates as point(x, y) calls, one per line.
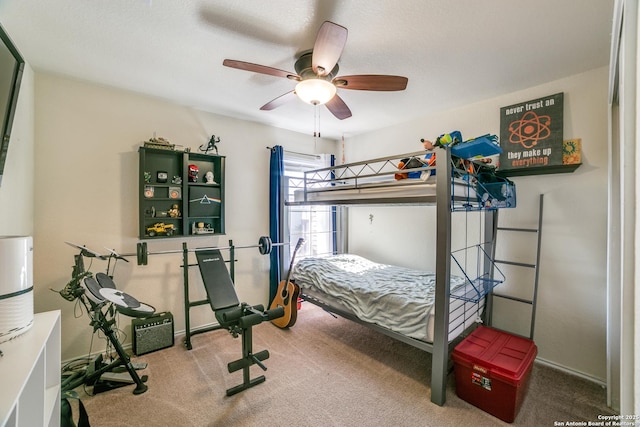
point(193, 173)
point(211, 145)
point(174, 212)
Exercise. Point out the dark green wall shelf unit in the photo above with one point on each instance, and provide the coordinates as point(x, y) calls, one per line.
point(174, 200)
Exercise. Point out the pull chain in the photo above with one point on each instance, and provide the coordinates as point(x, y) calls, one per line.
point(316, 126)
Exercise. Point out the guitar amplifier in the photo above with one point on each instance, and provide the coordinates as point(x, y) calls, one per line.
point(153, 333)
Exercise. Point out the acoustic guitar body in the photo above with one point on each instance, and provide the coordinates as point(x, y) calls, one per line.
point(287, 298)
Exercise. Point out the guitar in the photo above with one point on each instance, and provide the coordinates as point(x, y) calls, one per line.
point(287, 296)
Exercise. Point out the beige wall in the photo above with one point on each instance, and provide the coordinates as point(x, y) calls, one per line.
point(571, 318)
point(86, 172)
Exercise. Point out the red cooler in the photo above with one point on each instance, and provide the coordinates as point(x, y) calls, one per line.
point(492, 370)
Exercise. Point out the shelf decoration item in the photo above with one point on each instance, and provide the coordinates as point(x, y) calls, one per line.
point(208, 178)
point(159, 143)
point(175, 192)
point(160, 228)
point(204, 202)
point(162, 177)
point(531, 136)
point(193, 173)
point(572, 151)
point(201, 228)
point(174, 212)
point(149, 191)
point(211, 145)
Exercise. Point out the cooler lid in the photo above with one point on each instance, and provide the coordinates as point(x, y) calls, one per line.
point(505, 355)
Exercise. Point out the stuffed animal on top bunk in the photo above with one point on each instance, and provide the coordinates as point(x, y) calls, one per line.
point(465, 168)
point(444, 140)
point(414, 163)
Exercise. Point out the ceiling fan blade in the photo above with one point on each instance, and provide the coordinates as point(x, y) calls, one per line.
point(262, 69)
point(371, 82)
point(282, 99)
point(338, 108)
point(328, 48)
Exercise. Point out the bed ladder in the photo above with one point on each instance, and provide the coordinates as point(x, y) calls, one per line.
point(535, 266)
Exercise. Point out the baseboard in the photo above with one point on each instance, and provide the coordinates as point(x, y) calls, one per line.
point(570, 371)
point(88, 357)
point(182, 332)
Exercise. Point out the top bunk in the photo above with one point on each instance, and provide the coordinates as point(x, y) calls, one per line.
point(411, 178)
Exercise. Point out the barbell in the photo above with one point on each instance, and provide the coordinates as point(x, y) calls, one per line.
point(265, 245)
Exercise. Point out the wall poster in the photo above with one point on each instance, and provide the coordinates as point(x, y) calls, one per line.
point(531, 135)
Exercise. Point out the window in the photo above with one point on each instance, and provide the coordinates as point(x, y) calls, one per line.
point(316, 224)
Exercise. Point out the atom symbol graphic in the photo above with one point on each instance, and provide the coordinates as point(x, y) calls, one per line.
point(530, 129)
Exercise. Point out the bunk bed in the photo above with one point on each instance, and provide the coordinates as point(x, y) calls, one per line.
point(452, 185)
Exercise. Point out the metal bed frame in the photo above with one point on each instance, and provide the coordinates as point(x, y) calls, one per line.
point(353, 175)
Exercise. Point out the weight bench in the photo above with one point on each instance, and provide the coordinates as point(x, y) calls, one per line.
point(238, 318)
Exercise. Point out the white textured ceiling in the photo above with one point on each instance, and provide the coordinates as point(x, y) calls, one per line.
point(454, 52)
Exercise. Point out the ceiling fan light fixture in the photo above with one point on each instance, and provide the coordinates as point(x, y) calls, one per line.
point(315, 91)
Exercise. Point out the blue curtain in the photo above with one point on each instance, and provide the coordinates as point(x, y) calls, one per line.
point(276, 173)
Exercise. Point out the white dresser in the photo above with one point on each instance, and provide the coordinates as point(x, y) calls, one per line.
point(30, 375)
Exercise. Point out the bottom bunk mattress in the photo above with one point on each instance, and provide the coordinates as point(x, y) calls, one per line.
point(397, 298)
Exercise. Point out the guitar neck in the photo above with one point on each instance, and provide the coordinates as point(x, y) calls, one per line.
point(293, 257)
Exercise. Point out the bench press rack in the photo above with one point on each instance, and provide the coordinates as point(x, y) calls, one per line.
point(238, 318)
point(190, 304)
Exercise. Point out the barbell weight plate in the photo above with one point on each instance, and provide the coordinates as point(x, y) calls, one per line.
point(264, 245)
point(145, 253)
point(139, 253)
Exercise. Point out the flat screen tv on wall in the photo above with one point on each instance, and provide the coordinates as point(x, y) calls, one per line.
point(11, 69)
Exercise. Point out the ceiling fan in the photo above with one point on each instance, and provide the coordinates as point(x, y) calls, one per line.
point(316, 72)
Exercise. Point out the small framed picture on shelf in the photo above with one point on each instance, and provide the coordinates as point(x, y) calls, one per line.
point(149, 191)
point(162, 177)
point(175, 192)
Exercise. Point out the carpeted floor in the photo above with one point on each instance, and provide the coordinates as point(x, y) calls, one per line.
point(324, 371)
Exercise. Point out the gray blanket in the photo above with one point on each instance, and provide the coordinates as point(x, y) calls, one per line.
point(398, 298)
